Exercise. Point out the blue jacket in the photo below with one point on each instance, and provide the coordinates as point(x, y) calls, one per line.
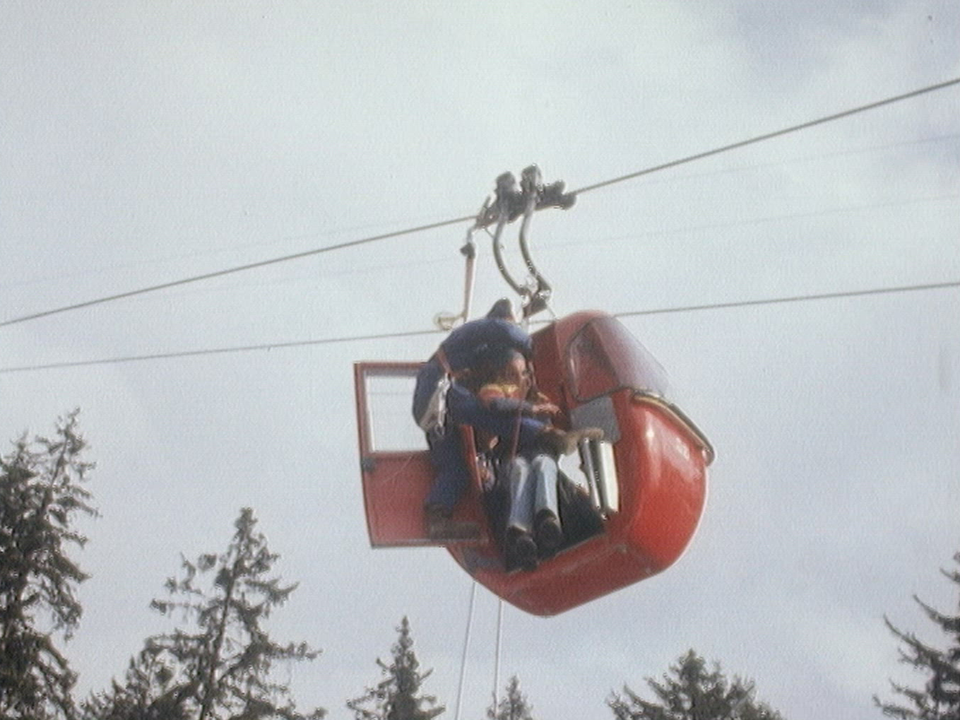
point(461, 348)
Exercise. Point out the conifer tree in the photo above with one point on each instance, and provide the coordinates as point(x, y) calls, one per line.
point(148, 693)
point(41, 494)
point(692, 692)
point(221, 668)
point(397, 696)
point(513, 706)
point(940, 697)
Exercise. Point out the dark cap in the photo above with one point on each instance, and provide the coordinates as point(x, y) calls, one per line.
point(502, 309)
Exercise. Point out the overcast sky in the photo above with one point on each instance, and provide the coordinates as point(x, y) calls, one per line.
point(148, 142)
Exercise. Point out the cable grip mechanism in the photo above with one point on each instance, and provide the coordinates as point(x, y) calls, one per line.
point(510, 202)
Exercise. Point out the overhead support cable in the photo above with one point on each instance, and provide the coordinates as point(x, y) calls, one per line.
point(768, 136)
point(221, 351)
point(792, 299)
point(419, 333)
point(467, 218)
point(239, 268)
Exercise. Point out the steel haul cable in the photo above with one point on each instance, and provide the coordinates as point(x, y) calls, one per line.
point(230, 271)
point(770, 135)
point(467, 218)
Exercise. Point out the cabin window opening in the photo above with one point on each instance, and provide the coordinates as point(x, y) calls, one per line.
point(390, 425)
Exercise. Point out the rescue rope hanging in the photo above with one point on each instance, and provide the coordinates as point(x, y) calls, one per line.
point(466, 644)
point(496, 667)
point(463, 656)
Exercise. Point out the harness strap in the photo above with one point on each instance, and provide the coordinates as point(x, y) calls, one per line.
point(444, 363)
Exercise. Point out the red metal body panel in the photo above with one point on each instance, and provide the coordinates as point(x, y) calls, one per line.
point(661, 463)
point(396, 482)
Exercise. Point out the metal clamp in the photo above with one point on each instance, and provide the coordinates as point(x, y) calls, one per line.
point(510, 202)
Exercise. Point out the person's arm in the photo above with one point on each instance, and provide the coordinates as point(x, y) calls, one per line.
point(494, 398)
point(541, 404)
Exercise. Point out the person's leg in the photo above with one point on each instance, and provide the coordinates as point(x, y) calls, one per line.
point(544, 469)
point(547, 528)
point(522, 492)
point(452, 475)
point(520, 545)
point(451, 480)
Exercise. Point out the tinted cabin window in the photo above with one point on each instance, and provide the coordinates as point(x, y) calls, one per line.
point(603, 357)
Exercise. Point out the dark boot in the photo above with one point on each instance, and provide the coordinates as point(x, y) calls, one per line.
point(521, 549)
point(548, 533)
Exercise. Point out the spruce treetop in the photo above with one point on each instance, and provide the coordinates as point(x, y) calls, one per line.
point(220, 667)
point(397, 696)
point(41, 496)
point(940, 697)
point(692, 691)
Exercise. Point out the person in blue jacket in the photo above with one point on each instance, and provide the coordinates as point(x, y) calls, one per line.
point(456, 355)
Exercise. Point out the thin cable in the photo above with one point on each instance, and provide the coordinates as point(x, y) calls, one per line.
point(747, 222)
point(768, 136)
point(463, 656)
point(496, 666)
point(418, 333)
point(222, 351)
point(99, 270)
point(443, 223)
point(239, 268)
point(792, 299)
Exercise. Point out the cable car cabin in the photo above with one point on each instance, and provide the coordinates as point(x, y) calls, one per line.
point(646, 480)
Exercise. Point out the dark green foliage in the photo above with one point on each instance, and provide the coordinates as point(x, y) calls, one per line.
point(147, 694)
point(220, 668)
point(692, 692)
point(513, 706)
point(397, 696)
point(940, 697)
point(40, 496)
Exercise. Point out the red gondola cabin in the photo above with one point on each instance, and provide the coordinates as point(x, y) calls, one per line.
point(647, 478)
